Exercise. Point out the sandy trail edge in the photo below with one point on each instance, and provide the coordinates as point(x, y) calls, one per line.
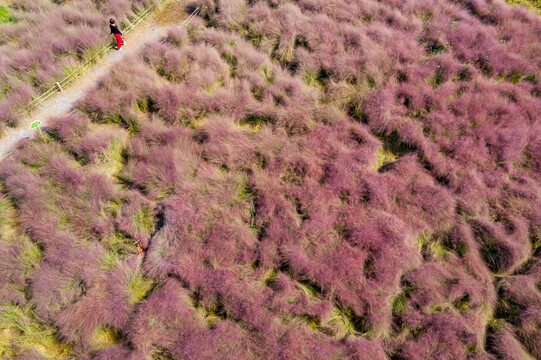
point(167, 15)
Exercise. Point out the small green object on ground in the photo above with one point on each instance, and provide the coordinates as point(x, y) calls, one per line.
point(35, 125)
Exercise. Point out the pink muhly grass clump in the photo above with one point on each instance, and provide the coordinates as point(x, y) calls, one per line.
point(13, 281)
point(102, 104)
point(249, 58)
point(168, 102)
point(362, 348)
point(446, 331)
point(224, 143)
point(435, 202)
point(136, 216)
point(504, 343)
point(70, 128)
point(231, 12)
point(93, 143)
point(153, 325)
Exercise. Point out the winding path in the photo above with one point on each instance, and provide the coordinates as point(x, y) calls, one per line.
point(155, 26)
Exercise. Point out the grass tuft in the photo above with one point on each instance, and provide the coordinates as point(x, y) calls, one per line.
point(5, 15)
point(20, 331)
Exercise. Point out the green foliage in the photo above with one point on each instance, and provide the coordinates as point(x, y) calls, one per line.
point(111, 159)
point(106, 336)
point(395, 145)
point(138, 286)
point(344, 321)
point(246, 193)
point(144, 220)
point(257, 120)
point(311, 78)
point(69, 69)
point(233, 62)
point(462, 75)
point(534, 5)
point(143, 104)
point(30, 255)
point(429, 246)
point(267, 75)
point(398, 304)
point(7, 215)
point(5, 15)
point(117, 246)
point(494, 325)
point(532, 77)
point(437, 48)
point(536, 244)
point(257, 93)
point(514, 77)
point(437, 79)
point(270, 277)
point(291, 176)
point(436, 308)
point(93, 51)
point(494, 254)
point(462, 304)
point(459, 247)
point(384, 156)
point(21, 331)
point(285, 53)
point(113, 118)
point(310, 288)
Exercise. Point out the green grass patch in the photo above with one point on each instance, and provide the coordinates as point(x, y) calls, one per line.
point(462, 304)
point(165, 192)
point(20, 331)
point(258, 92)
point(7, 216)
point(30, 255)
point(398, 304)
point(138, 286)
point(384, 156)
point(270, 278)
point(106, 336)
point(436, 308)
point(533, 5)
point(429, 246)
point(437, 79)
point(344, 322)
point(453, 245)
point(514, 77)
point(393, 142)
point(256, 121)
point(94, 51)
point(5, 15)
point(267, 75)
point(144, 220)
point(117, 246)
point(310, 288)
point(111, 160)
point(246, 193)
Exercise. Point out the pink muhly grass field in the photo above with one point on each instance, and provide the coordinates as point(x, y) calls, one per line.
point(306, 180)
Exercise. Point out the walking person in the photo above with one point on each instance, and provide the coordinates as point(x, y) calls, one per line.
point(116, 33)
